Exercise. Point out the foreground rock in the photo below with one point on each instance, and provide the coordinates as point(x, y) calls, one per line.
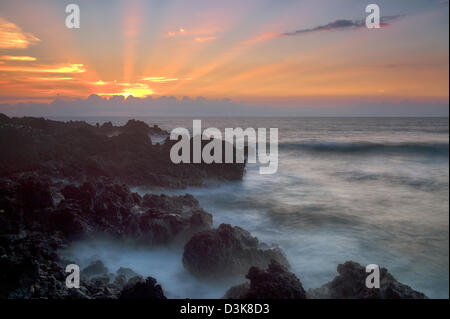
point(38, 217)
point(31, 269)
point(274, 283)
point(227, 251)
point(104, 207)
point(350, 284)
point(142, 289)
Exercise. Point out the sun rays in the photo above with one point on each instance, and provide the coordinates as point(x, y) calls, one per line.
point(227, 50)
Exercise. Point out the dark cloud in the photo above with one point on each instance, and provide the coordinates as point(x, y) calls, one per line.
point(340, 25)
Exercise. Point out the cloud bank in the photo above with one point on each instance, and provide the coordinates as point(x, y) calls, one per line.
point(201, 107)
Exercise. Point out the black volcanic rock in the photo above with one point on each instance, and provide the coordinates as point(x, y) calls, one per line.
point(101, 207)
point(96, 268)
point(138, 288)
point(80, 152)
point(28, 267)
point(350, 284)
point(126, 272)
point(33, 226)
point(131, 127)
point(274, 283)
point(227, 251)
point(170, 217)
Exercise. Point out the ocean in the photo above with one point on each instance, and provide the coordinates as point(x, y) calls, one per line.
point(371, 190)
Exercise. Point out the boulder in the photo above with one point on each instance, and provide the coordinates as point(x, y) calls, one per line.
point(274, 283)
point(227, 251)
point(351, 284)
point(138, 288)
point(95, 268)
point(127, 272)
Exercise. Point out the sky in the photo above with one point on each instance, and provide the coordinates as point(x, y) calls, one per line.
point(261, 56)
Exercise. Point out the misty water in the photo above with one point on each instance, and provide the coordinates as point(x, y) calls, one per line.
point(371, 190)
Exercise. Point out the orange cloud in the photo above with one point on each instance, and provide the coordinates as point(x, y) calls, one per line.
point(199, 35)
point(71, 68)
point(159, 79)
point(204, 39)
point(180, 31)
point(12, 36)
point(17, 58)
point(50, 79)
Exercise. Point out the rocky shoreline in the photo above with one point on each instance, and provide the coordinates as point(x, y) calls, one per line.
point(62, 182)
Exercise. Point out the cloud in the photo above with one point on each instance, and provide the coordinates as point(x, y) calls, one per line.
point(198, 35)
point(159, 79)
point(12, 36)
point(17, 58)
point(132, 106)
point(337, 25)
point(181, 31)
point(70, 68)
point(204, 39)
point(38, 79)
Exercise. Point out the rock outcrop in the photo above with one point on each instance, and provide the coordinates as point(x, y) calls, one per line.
point(81, 152)
point(351, 284)
point(38, 217)
point(96, 268)
point(139, 288)
point(274, 283)
point(102, 207)
point(227, 251)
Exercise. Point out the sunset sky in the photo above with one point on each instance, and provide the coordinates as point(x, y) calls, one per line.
point(258, 51)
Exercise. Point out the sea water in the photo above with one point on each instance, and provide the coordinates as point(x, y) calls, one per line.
point(371, 190)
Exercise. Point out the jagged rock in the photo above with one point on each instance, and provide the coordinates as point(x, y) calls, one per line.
point(34, 193)
point(227, 251)
point(78, 151)
point(103, 206)
point(169, 217)
point(351, 284)
point(238, 291)
point(120, 281)
point(127, 272)
point(137, 288)
point(28, 267)
point(95, 268)
point(274, 283)
point(32, 230)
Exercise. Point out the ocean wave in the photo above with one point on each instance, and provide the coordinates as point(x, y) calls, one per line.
point(424, 184)
point(421, 148)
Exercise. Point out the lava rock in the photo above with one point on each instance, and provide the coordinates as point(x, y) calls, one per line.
point(227, 251)
point(351, 284)
point(95, 268)
point(274, 283)
point(127, 272)
point(78, 152)
point(137, 288)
